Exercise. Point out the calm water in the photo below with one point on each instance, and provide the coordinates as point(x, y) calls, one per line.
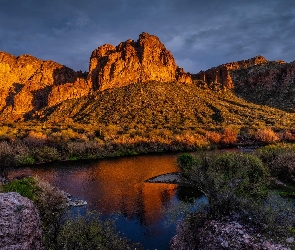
point(144, 212)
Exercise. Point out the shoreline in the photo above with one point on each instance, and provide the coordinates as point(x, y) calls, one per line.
point(129, 151)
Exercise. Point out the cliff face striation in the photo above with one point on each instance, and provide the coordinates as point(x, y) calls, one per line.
point(222, 74)
point(271, 83)
point(143, 60)
point(28, 84)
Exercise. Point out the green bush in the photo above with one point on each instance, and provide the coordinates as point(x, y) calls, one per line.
point(226, 179)
point(186, 163)
point(26, 187)
point(279, 159)
point(24, 159)
point(46, 154)
point(91, 233)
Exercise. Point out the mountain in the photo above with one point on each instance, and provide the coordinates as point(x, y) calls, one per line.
point(143, 61)
point(173, 106)
point(129, 83)
point(28, 84)
point(257, 80)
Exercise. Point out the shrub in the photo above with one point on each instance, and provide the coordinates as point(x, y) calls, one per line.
point(287, 136)
point(35, 138)
point(24, 159)
point(226, 179)
point(279, 159)
point(46, 154)
point(283, 166)
point(213, 137)
point(266, 135)
point(229, 136)
point(186, 164)
point(91, 233)
point(26, 187)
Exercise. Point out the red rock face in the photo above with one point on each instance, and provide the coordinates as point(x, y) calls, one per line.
point(143, 60)
point(271, 75)
point(28, 84)
point(221, 74)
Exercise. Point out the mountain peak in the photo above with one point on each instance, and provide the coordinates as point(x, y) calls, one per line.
point(131, 61)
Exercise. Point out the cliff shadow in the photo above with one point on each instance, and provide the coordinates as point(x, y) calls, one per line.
point(16, 88)
point(61, 76)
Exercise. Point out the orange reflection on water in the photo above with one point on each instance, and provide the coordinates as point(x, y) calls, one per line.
point(117, 185)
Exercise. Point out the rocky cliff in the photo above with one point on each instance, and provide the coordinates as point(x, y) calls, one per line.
point(271, 83)
point(143, 60)
point(28, 84)
point(222, 74)
point(257, 80)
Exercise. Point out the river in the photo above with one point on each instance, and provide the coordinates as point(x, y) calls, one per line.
point(143, 212)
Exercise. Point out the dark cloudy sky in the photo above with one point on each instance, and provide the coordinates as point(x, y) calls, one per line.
point(200, 33)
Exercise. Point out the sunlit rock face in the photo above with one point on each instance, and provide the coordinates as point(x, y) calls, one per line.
point(222, 74)
point(28, 84)
point(143, 60)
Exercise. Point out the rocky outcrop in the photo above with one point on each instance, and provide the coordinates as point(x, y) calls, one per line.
point(257, 80)
point(222, 74)
point(20, 227)
point(182, 76)
point(217, 235)
point(28, 84)
point(143, 60)
point(271, 83)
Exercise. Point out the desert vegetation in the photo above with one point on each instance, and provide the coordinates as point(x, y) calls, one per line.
point(136, 119)
point(242, 190)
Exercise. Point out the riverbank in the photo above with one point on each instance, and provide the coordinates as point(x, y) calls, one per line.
point(24, 152)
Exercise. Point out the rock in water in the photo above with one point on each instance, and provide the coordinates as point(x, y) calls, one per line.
point(20, 227)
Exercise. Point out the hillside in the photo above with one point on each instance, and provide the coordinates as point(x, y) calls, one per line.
point(173, 106)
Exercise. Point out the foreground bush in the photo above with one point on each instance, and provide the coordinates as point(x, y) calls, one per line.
point(279, 159)
point(26, 187)
point(62, 232)
point(91, 233)
point(226, 179)
point(237, 188)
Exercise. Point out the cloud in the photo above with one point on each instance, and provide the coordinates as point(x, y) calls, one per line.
point(200, 33)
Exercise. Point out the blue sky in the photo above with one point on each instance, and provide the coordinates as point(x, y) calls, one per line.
point(200, 33)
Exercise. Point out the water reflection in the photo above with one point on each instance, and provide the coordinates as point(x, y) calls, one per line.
point(116, 188)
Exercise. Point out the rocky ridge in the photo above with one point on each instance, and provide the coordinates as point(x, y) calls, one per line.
point(271, 83)
point(222, 74)
point(27, 84)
